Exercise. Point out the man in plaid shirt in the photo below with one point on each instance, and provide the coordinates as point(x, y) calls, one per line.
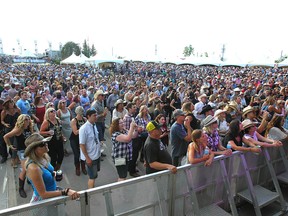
point(136, 145)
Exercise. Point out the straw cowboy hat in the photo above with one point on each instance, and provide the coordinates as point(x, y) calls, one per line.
point(181, 83)
point(119, 101)
point(218, 112)
point(32, 141)
point(208, 121)
point(247, 110)
point(98, 92)
point(233, 105)
point(201, 96)
point(248, 123)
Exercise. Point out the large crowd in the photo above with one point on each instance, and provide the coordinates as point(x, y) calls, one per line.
point(201, 111)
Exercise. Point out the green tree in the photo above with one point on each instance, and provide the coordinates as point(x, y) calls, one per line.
point(69, 48)
point(188, 51)
point(93, 50)
point(86, 49)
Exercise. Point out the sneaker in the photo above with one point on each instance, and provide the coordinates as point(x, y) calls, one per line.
point(134, 174)
point(3, 160)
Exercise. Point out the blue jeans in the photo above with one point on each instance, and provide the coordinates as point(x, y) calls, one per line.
point(101, 129)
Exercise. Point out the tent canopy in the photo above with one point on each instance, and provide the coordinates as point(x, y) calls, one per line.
point(27, 54)
point(283, 63)
point(73, 59)
point(96, 60)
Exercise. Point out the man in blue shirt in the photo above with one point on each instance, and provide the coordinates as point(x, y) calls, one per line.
point(23, 103)
point(84, 100)
point(179, 137)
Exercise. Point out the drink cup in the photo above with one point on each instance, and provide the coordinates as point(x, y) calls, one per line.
point(59, 175)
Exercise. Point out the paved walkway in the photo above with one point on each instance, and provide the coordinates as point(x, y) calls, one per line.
point(9, 195)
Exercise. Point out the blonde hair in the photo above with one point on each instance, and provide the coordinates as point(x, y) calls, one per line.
point(141, 109)
point(21, 120)
point(186, 107)
point(48, 105)
point(196, 134)
point(60, 103)
point(208, 129)
point(46, 116)
point(33, 157)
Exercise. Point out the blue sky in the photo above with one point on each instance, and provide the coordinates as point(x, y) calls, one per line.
point(249, 29)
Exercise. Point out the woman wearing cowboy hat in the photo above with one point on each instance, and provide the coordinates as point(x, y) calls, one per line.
point(119, 110)
point(39, 170)
point(254, 137)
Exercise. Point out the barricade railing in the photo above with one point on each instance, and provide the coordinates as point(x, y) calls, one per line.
point(193, 190)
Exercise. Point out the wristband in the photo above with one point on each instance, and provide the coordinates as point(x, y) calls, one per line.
point(66, 192)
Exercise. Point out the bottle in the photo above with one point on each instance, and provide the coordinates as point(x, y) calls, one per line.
point(206, 151)
point(228, 145)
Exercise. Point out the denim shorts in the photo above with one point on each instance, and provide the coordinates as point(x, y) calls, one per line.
point(93, 169)
point(20, 154)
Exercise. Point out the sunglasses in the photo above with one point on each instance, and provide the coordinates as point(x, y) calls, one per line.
point(42, 144)
point(27, 119)
point(63, 102)
point(52, 111)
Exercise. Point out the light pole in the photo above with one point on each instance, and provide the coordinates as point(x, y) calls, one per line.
point(19, 47)
point(50, 49)
point(36, 50)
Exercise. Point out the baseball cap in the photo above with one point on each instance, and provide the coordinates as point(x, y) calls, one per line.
point(152, 125)
point(177, 112)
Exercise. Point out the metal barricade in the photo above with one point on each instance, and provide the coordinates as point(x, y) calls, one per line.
point(194, 190)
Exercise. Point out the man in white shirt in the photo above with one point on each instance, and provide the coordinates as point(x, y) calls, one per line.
point(90, 146)
point(199, 106)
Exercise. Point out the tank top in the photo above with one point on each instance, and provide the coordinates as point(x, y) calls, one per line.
point(57, 130)
point(11, 119)
point(65, 118)
point(47, 176)
point(21, 139)
point(40, 112)
point(79, 123)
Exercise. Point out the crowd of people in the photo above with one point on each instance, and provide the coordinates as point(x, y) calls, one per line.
point(201, 111)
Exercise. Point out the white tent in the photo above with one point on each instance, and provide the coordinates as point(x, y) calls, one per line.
point(98, 59)
point(209, 61)
point(234, 61)
point(263, 61)
point(73, 59)
point(27, 54)
point(283, 63)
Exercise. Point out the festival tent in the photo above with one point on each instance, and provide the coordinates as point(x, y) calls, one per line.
point(208, 61)
point(192, 60)
point(73, 59)
point(83, 57)
point(262, 61)
point(98, 59)
point(28, 54)
point(234, 61)
point(283, 63)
